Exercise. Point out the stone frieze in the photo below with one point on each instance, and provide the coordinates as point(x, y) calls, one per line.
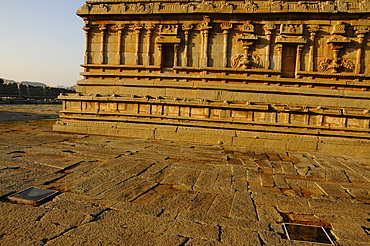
point(205, 6)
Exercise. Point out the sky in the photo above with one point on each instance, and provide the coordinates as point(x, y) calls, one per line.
point(41, 41)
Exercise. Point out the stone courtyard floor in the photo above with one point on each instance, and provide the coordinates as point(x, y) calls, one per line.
point(119, 191)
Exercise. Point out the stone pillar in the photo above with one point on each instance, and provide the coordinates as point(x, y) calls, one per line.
point(225, 31)
point(159, 60)
point(119, 29)
point(313, 29)
point(87, 29)
point(360, 34)
point(137, 29)
point(186, 28)
point(269, 27)
point(102, 29)
point(299, 58)
point(205, 49)
point(279, 50)
point(203, 27)
point(149, 30)
point(175, 55)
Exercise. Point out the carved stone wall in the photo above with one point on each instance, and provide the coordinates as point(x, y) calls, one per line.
point(291, 71)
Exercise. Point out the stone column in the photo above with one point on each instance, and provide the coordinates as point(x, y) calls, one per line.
point(279, 50)
point(137, 29)
point(102, 29)
point(298, 59)
point(313, 29)
point(360, 33)
point(87, 29)
point(175, 55)
point(186, 28)
point(205, 50)
point(149, 30)
point(119, 29)
point(203, 27)
point(159, 60)
point(269, 27)
point(225, 27)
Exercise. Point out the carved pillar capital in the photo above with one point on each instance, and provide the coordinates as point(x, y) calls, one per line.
point(269, 27)
point(226, 26)
point(102, 28)
point(187, 27)
point(149, 28)
point(119, 27)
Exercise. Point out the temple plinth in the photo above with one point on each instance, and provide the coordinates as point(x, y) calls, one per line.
point(286, 75)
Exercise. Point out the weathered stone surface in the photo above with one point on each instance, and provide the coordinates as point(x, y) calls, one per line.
point(262, 82)
point(118, 197)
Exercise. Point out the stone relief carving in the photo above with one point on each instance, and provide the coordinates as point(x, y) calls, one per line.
point(327, 6)
point(277, 6)
point(247, 27)
point(250, 6)
point(342, 6)
point(226, 7)
point(339, 28)
point(103, 8)
point(292, 29)
point(226, 26)
point(365, 5)
point(168, 29)
point(205, 6)
point(187, 27)
point(246, 61)
point(120, 8)
point(336, 66)
point(301, 6)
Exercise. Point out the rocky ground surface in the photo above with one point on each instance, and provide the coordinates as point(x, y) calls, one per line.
point(118, 191)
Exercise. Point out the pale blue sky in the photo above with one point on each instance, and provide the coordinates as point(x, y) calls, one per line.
point(41, 40)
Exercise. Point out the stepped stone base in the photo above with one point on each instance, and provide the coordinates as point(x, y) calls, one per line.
point(228, 137)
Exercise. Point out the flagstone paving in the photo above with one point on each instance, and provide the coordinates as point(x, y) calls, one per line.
point(120, 191)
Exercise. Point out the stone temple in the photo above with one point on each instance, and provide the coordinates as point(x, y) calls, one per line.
point(290, 75)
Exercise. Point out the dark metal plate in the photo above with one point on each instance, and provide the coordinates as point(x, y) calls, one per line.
point(32, 196)
point(307, 233)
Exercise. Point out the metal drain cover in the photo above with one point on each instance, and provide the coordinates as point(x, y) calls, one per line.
point(307, 233)
point(32, 196)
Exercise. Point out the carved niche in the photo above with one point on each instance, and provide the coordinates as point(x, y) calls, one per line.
point(246, 59)
point(291, 33)
point(168, 34)
point(337, 41)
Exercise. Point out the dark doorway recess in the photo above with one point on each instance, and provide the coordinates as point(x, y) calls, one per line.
point(289, 61)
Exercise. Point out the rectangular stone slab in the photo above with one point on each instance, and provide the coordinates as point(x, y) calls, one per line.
point(32, 196)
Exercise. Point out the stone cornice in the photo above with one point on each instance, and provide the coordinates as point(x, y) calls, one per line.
point(132, 7)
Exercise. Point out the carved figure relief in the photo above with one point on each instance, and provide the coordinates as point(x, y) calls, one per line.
point(327, 6)
point(205, 6)
point(342, 6)
point(336, 66)
point(246, 61)
point(365, 5)
point(277, 6)
point(292, 29)
point(301, 6)
point(250, 6)
point(168, 29)
point(121, 8)
point(339, 28)
point(248, 27)
point(226, 7)
point(103, 8)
